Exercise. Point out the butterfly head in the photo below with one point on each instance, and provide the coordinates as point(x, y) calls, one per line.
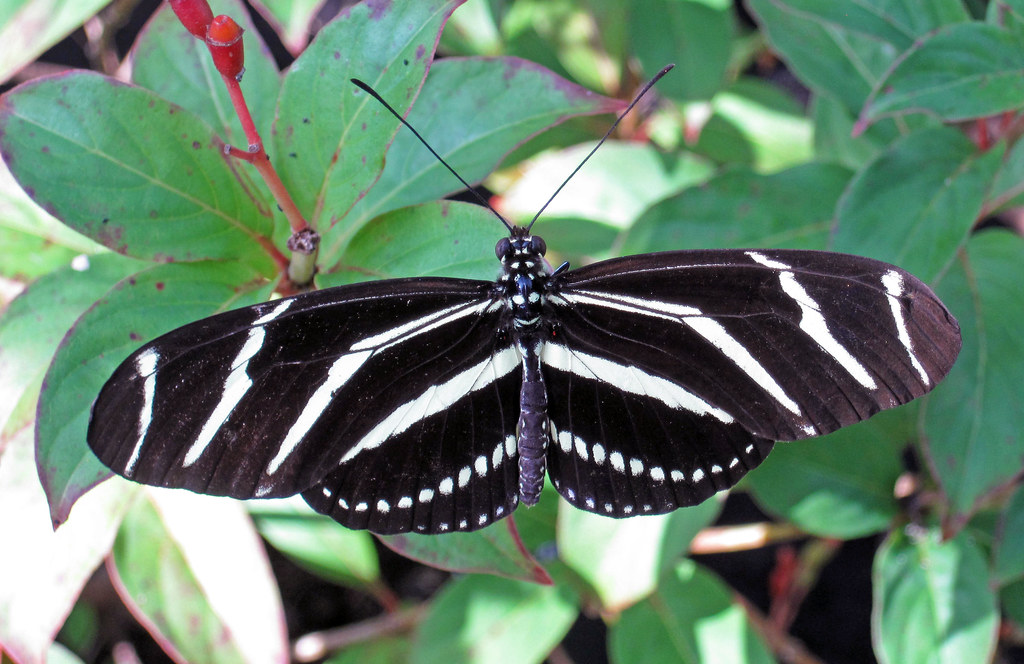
point(520, 246)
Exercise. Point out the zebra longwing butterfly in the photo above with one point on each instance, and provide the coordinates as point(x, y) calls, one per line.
point(639, 384)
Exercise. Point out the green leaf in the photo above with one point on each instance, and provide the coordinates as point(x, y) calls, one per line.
point(194, 573)
point(623, 559)
point(1011, 598)
point(973, 420)
point(897, 23)
point(577, 240)
point(24, 256)
point(32, 242)
point(1008, 13)
point(138, 309)
point(695, 36)
point(43, 570)
point(834, 138)
point(914, 205)
point(473, 30)
point(317, 543)
point(493, 550)
point(827, 57)
point(330, 136)
point(34, 323)
point(840, 485)
point(932, 601)
point(1008, 553)
point(444, 238)
point(961, 72)
point(744, 209)
point(618, 183)
point(753, 122)
point(689, 619)
point(58, 654)
point(291, 19)
point(472, 111)
point(29, 27)
point(1008, 186)
point(583, 41)
point(492, 620)
point(168, 60)
point(129, 170)
point(384, 650)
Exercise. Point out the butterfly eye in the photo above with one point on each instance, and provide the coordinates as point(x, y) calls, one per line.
point(539, 245)
point(503, 248)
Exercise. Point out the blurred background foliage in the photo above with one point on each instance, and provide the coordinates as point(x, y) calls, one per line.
point(887, 129)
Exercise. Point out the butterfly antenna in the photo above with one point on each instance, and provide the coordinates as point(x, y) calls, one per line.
point(483, 201)
point(608, 133)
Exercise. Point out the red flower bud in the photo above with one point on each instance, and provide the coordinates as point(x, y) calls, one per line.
point(195, 15)
point(224, 39)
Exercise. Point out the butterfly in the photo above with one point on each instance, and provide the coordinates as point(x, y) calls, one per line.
point(639, 385)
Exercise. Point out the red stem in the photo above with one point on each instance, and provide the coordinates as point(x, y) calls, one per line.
point(257, 156)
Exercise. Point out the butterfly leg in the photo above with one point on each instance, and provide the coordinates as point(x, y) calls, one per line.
point(533, 423)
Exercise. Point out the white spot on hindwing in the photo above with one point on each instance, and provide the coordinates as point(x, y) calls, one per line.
point(581, 449)
point(565, 441)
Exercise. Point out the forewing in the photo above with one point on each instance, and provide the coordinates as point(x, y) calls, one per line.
point(268, 400)
point(695, 361)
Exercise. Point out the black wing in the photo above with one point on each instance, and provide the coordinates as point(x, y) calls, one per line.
point(377, 383)
point(675, 372)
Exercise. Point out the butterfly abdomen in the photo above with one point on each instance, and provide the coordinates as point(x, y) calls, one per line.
point(533, 424)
